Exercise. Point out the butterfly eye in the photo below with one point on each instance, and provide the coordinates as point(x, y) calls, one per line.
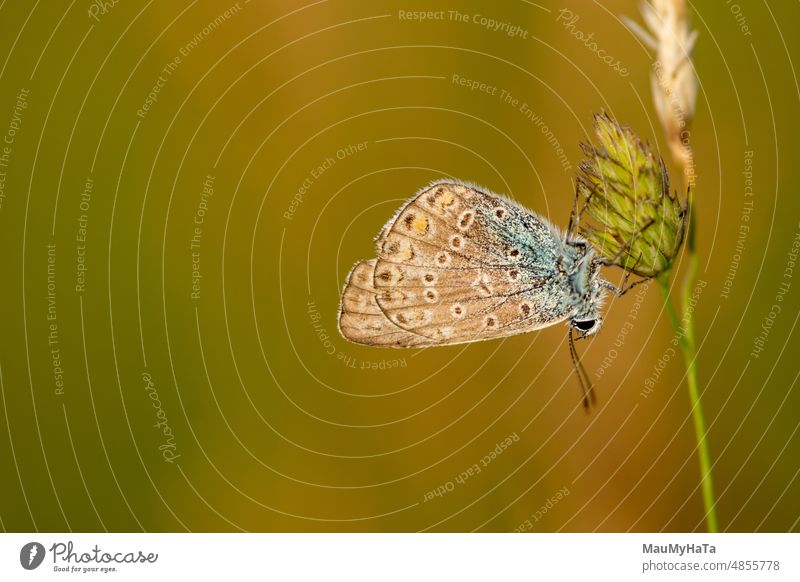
point(585, 325)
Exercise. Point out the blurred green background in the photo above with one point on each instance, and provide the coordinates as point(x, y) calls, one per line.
point(162, 378)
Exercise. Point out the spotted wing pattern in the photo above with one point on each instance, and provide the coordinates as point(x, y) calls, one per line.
point(361, 319)
point(456, 265)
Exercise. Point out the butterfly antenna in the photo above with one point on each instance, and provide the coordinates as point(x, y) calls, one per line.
point(583, 377)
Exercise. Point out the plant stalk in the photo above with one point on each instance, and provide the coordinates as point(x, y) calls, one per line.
point(686, 339)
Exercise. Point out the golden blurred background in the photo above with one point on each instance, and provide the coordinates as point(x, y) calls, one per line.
point(185, 186)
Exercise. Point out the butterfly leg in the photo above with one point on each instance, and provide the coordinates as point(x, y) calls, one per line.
point(627, 246)
point(620, 291)
point(610, 262)
point(576, 213)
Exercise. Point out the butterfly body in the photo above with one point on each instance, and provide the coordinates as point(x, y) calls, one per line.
point(459, 264)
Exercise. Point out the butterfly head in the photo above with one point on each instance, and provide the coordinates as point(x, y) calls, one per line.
point(587, 327)
point(587, 286)
point(588, 320)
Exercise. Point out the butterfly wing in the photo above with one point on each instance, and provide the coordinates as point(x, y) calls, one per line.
point(361, 320)
point(457, 264)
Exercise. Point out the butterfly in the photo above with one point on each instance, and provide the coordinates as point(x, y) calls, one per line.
point(459, 264)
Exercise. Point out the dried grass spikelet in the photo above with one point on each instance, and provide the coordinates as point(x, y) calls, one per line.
point(633, 221)
point(673, 79)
